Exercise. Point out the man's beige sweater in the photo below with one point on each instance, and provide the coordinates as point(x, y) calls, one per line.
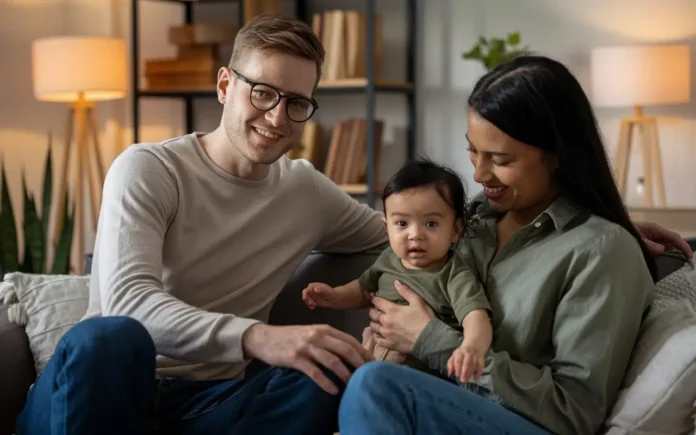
point(198, 255)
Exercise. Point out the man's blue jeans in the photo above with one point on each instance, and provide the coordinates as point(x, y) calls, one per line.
point(101, 380)
point(384, 398)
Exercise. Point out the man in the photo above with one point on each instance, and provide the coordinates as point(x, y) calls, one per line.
point(197, 236)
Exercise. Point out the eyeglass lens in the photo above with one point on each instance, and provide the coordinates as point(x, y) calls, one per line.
point(265, 98)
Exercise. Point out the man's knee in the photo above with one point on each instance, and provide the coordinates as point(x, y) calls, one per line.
point(110, 339)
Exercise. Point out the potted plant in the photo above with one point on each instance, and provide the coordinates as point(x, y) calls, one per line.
point(35, 226)
point(491, 52)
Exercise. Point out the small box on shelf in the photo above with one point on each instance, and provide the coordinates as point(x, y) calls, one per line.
point(202, 33)
point(181, 73)
point(195, 66)
point(194, 51)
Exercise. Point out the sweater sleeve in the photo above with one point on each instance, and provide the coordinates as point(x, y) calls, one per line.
point(347, 225)
point(139, 202)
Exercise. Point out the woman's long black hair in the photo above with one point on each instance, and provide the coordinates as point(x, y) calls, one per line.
point(538, 101)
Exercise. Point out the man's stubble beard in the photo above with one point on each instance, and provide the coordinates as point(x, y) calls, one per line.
point(235, 135)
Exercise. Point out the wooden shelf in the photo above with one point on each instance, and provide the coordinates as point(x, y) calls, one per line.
point(336, 86)
point(361, 85)
point(358, 189)
point(197, 2)
point(202, 91)
point(363, 88)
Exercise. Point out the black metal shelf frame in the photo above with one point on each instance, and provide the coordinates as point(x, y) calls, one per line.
point(371, 89)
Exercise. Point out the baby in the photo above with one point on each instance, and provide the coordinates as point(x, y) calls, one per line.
point(424, 205)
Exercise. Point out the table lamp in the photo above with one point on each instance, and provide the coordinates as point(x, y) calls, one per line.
point(80, 70)
point(639, 76)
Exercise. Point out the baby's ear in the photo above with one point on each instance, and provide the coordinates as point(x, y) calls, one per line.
point(384, 221)
point(458, 229)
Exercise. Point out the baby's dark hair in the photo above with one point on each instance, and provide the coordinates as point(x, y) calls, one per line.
point(423, 172)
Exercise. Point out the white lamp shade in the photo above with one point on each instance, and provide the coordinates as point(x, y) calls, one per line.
point(641, 75)
point(67, 66)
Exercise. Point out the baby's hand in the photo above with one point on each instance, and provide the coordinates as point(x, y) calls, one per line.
point(466, 362)
point(318, 294)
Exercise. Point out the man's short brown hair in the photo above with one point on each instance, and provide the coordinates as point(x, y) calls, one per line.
point(278, 34)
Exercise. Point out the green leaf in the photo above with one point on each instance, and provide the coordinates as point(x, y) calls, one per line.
point(513, 38)
point(474, 53)
point(8, 228)
point(33, 237)
point(46, 196)
point(26, 266)
point(61, 258)
point(497, 47)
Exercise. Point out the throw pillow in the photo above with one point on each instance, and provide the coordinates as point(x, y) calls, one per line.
point(658, 394)
point(47, 306)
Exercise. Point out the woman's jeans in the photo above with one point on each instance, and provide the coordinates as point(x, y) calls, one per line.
point(101, 380)
point(384, 398)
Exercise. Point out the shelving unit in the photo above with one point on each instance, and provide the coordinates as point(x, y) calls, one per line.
point(367, 86)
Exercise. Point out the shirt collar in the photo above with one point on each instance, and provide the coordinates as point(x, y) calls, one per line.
point(561, 212)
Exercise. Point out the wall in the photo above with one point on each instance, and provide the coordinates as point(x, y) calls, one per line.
point(25, 123)
point(156, 125)
point(563, 29)
point(446, 28)
point(567, 31)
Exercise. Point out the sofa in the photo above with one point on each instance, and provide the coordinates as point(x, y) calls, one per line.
point(17, 369)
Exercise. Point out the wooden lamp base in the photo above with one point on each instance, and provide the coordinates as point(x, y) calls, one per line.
point(652, 159)
point(81, 120)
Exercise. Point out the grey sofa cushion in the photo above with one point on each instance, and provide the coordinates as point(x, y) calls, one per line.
point(16, 364)
point(671, 262)
point(16, 371)
point(333, 269)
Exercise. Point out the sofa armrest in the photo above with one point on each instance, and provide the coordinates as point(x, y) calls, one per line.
point(333, 269)
point(672, 261)
point(16, 371)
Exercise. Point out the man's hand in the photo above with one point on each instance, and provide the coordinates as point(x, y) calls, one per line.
point(318, 294)
point(306, 348)
point(659, 239)
point(466, 362)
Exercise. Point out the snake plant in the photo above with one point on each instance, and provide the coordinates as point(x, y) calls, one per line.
point(35, 229)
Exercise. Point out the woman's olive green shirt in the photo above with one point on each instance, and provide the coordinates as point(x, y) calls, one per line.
point(568, 293)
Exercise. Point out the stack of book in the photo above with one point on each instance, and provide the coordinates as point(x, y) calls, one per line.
point(344, 36)
point(309, 147)
point(346, 158)
point(197, 59)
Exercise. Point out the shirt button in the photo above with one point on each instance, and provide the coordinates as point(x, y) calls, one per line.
point(538, 224)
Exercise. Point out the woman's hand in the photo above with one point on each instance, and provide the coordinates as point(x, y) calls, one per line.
point(397, 327)
point(659, 239)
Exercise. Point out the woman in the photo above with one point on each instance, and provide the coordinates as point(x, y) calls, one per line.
point(568, 276)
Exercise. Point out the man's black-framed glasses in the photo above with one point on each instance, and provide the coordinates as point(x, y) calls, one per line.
point(266, 97)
